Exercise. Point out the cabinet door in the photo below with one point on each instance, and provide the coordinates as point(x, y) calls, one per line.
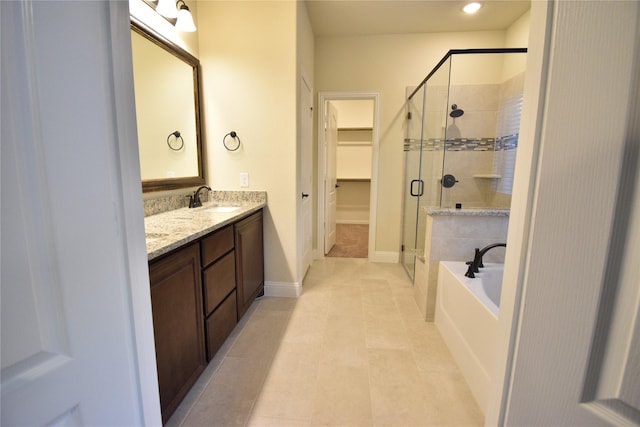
point(176, 300)
point(249, 260)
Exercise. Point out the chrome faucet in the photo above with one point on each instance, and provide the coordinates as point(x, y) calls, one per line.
point(476, 264)
point(194, 201)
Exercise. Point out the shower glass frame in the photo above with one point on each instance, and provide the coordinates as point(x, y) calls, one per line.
point(425, 156)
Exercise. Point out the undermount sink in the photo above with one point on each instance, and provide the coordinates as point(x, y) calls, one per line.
point(223, 209)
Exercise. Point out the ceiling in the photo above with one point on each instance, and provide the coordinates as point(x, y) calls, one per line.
point(368, 17)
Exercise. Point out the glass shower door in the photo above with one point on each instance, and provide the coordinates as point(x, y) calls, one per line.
point(424, 157)
point(413, 185)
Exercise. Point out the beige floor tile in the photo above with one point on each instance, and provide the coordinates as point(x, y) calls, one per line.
point(306, 326)
point(277, 304)
point(342, 397)
point(229, 397)
point(258, 421)
point(385, 329)
point(344, 342)
point(398, 394)
point(262, 334)
point(294, 364)
point(352, 350)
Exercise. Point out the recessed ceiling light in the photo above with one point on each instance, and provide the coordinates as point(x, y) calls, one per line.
point(472, 7)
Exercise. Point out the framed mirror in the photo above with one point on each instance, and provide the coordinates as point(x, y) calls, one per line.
point(167, 92)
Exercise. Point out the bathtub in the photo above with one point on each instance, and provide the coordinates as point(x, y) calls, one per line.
point(467, 318)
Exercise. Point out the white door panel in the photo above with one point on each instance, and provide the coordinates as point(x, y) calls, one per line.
point(331, 150)
point(577, 354)
point(306, 173)
point(68, 355)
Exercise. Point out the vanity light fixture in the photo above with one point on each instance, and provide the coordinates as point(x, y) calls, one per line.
point(177, 13)
point(167, 8)
point(472, 8)
point(185, 19)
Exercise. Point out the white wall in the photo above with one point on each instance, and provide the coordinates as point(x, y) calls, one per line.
point(388, 64)
point(354, 113)
point(249, 85)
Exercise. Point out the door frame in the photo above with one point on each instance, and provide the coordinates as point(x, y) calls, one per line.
point(323, 98)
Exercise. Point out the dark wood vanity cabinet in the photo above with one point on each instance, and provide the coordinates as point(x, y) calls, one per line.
point(249, 260)
point(219, 287)
point(176, 300)
point(198, 294)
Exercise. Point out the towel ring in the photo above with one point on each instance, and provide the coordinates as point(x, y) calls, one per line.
point(177, 136)
point(233, 135)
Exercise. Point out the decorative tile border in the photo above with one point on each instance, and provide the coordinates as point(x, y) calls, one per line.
point(509, 142)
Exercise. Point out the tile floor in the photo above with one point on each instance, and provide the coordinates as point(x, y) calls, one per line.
point(351, 351)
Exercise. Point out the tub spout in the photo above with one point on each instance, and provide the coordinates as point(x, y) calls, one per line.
point(476, 264)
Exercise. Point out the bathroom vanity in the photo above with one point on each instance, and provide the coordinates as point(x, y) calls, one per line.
point(206, 267)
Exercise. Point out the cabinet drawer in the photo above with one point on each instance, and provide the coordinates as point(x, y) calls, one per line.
point(220, 324)
point(219, 279)
point(216, 245)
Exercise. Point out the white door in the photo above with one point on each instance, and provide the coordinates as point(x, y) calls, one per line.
point(330, 177)
point(69, 350)
point(306, 173)
point(577, 352)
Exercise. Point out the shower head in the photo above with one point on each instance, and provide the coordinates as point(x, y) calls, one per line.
point(455, 111)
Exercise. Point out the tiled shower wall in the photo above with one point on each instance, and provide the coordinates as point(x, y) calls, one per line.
point(481, 145)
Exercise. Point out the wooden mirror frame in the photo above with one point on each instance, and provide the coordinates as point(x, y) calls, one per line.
point(179, 182)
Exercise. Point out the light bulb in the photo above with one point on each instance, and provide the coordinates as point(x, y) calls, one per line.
point(185, 20)
point(167, 8)
point(472, 7)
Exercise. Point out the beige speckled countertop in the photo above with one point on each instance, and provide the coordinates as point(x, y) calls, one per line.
point(467, 212)
point(170, 230)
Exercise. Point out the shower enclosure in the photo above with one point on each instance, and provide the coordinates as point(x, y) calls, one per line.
point(462, 130)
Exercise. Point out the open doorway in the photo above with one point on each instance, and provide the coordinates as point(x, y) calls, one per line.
point(347, 172)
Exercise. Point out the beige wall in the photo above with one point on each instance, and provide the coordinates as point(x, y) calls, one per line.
point(517, 35)
point(388, 64)
point(249, 85)
point(352, 205)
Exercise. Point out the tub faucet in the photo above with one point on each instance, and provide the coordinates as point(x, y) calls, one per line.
point(476, 264)
point(194, 201)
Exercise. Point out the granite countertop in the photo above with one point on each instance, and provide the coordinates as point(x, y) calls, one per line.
point(170, 230)
point(467, 212)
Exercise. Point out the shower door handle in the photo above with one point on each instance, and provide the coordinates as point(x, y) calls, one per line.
point(420, 191)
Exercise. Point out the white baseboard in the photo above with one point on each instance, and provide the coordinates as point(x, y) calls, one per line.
point(390, 257)
point(282, 289)
point(352, 221)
